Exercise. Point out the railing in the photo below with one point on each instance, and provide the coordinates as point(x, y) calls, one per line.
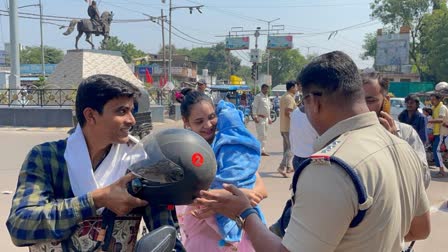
point(37, 97)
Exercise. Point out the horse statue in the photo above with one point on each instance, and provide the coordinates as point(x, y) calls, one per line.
point(86, 26)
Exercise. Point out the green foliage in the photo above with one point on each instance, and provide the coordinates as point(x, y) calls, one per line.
point(32, 55)
point(245, 73)
point(41, 82)
point(284, 65)
point(128, 50)
point(434, 42)
point(369, 46)
point(214, 58)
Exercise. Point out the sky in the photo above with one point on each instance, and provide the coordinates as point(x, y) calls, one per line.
point(313, 20)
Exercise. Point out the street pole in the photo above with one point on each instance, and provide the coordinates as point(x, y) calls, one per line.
point(14, 77)
point(42, 40)
point(267, 50)
point(163, 45)
point(170, 49)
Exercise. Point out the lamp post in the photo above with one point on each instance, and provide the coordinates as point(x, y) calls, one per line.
point(267, 50)
point(198, 8)
point(42, 50)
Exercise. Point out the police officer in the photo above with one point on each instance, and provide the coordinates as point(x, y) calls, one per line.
point(327, 201)
point(261, 108)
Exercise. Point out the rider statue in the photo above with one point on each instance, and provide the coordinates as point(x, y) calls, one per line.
point(94, 15)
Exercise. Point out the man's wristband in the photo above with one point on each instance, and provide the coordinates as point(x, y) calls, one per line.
point(241, 219)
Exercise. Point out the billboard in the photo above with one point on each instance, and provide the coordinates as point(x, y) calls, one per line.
point(33, 69)
point(392, 50)
point(279, 42)
point(237, 43)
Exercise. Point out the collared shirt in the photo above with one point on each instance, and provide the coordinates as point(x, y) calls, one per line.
point(286, 102)
point(326, 200)
point(439, 112)
point(261, 105)
point(417, 121)
point(301, 134)
point(44, 207)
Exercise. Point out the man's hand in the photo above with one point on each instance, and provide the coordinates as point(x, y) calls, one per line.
point(229, 205)
point(116, 198)
point(388, 122)
point(269, 120)
point(256, 119)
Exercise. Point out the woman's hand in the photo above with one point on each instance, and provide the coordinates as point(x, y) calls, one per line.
point(254, 197)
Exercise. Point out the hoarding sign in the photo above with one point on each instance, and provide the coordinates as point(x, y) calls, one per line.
point(279, 42)
point(392, 50)
point(237, 43)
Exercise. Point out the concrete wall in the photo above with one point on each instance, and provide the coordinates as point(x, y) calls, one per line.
point(157, 113)
point(36, 117)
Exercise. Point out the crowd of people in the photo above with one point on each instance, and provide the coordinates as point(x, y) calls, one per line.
point(340, 128)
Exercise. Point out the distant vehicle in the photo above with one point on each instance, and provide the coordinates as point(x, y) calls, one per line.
point(397, 105)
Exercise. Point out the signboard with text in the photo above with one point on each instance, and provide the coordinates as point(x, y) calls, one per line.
point(279, 42)
point(237, 43)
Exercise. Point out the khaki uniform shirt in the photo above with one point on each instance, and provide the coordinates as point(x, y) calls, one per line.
point(261, 105)
point(326, 200)
point(286, 102)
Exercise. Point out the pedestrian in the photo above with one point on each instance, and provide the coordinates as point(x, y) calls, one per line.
point(428, 114)
point(201, 85)
point(302, 136)
point(326, 201)
point(261, 108)
point(439, 112)
point(238, 156)
point(413, 117)
point(63, 185)
point(376, 90)
point(287, 105)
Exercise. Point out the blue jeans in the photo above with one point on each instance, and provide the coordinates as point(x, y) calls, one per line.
point(436, 151)
point(296, 161)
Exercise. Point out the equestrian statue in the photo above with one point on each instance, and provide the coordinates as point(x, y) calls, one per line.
point(98, 25)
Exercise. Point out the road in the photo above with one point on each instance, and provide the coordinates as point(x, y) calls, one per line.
point(16, 142)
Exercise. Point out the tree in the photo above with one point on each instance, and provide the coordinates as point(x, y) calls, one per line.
point(397, 13)
point(215, 59)
point(128, 50)
point(245, 73)
point(33, 55)
point(284, 65)
point(369, 46)
point(434, 43)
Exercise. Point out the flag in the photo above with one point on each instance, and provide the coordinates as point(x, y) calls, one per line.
point(148, 76)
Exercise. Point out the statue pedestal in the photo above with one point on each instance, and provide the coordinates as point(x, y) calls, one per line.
point(77, 65)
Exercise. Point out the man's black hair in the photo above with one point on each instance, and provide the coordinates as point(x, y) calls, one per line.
point(412, 97)
point(290, 84)
point(265, 85)
point(333, 72)
point(384, 83)
point(437, 95)
point(95, 91)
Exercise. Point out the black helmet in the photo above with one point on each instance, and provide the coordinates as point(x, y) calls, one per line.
point(178, 164)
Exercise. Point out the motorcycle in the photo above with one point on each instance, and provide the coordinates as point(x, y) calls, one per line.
point(162, 239)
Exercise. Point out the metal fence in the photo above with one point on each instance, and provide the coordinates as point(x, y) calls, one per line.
point(37, 97)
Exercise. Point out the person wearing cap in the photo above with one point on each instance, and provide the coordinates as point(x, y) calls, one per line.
point(202, 85)
point(63, 186)
point(413, 117)
point(261, 108)
point(326, 201)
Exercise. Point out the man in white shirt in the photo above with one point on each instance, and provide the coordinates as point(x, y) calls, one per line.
point(261, 108)
point(302, 136)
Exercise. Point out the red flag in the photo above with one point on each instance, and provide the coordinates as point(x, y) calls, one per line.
point(148, 76)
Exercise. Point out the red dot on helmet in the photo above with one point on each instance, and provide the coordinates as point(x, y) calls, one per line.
point(197, 159)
